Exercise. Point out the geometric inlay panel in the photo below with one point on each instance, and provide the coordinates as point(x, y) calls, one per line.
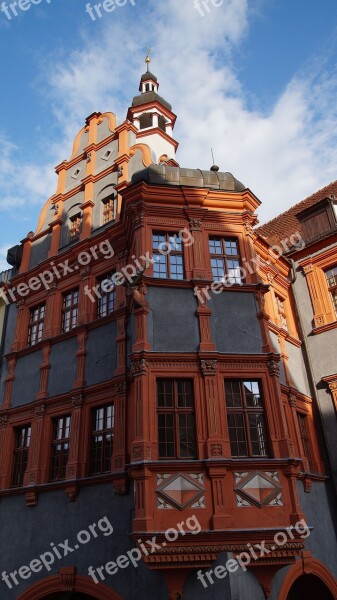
point(258, 488)
point(179, 490)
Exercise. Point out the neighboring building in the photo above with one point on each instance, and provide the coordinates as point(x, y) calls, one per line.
point(154, 379)
point(314, 285)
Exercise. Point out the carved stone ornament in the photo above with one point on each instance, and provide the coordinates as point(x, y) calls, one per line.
point(67, 579)
point(138, 367)
point(40, 410)
point(195, 224)
point(216, 450)
point(3, 420)
point(120, 388)
point(208, 367)
point(78, 400)
point(274, 368)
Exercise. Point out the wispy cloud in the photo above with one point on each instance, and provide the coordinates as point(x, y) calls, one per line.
point(282, 156)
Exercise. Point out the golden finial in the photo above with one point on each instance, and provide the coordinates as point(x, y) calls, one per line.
point(148, 59)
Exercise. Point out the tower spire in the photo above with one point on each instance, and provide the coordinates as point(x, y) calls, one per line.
point(148, 60)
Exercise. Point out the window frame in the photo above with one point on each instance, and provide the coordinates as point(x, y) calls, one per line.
point(245, 410)
point(20, 455)
point(75, 227)
point(109, 296)
point(63, 442)
point(174, 252)
point(225, 257)
point(332, 288)
point(108, 209)
point(176, 411)
point(74, 307)
point(38, 334)
point(305, 437)
point(104, 432)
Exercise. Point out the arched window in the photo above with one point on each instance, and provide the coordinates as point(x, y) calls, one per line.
point(108, 204)
point(75, 227)
point(146, 120)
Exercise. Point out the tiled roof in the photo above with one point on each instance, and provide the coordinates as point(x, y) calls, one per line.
point(287, 223)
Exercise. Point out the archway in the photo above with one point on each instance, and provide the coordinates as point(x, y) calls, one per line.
point(68, 596)
point(308, 579)
point(67, 585)
point(309, 587)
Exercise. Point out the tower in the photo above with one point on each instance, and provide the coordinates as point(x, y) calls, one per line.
point(153, 118)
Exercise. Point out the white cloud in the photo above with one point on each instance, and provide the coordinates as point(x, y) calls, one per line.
point(282, 156)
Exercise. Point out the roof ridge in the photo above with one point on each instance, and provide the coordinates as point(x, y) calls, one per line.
point(291, 209)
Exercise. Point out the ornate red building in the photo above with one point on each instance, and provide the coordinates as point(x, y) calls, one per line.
point(153, 376)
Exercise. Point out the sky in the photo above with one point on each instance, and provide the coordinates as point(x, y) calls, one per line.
point(256, 80)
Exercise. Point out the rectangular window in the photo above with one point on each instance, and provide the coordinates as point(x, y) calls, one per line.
point(331, 276)
point(102, 439)
point(169, 256)
point(70, 310)
point(305, 437)
point(75, 227)
point(60, 448)
point(245, 416)
point(281, 312)
point(225, 260)
point(176, 421)
point(108, 209)
point(36, 323)
point(20, 455)
point(107, 290)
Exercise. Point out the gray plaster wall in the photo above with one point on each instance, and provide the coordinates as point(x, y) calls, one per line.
point(83, 142)
point(235, 327)
point(101, 353)
point(237, 585)
point(63, 367)
point(102, 164)
point(27, 379)
point(40, 249)
point(72, 182)
point(26, 533)
point(103, 130)
point(298, 369)
point(172, 323)
point(8, 339)
point(136, 162)
point(319, 507)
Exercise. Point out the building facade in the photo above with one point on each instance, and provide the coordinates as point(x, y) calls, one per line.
point(160, 430)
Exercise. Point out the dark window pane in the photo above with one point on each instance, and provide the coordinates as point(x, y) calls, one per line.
point(258, 436)
point(102, 439)
point(237, 434)
point(60, 448)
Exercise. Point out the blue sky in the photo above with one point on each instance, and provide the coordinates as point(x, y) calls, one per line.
point(254, 79)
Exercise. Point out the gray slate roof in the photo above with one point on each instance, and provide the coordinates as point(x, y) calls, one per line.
point(150, 97)
point(166, 175)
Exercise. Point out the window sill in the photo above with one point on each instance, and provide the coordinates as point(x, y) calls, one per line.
point(324, 328)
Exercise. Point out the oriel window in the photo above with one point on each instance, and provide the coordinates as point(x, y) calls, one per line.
point(168, 256)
